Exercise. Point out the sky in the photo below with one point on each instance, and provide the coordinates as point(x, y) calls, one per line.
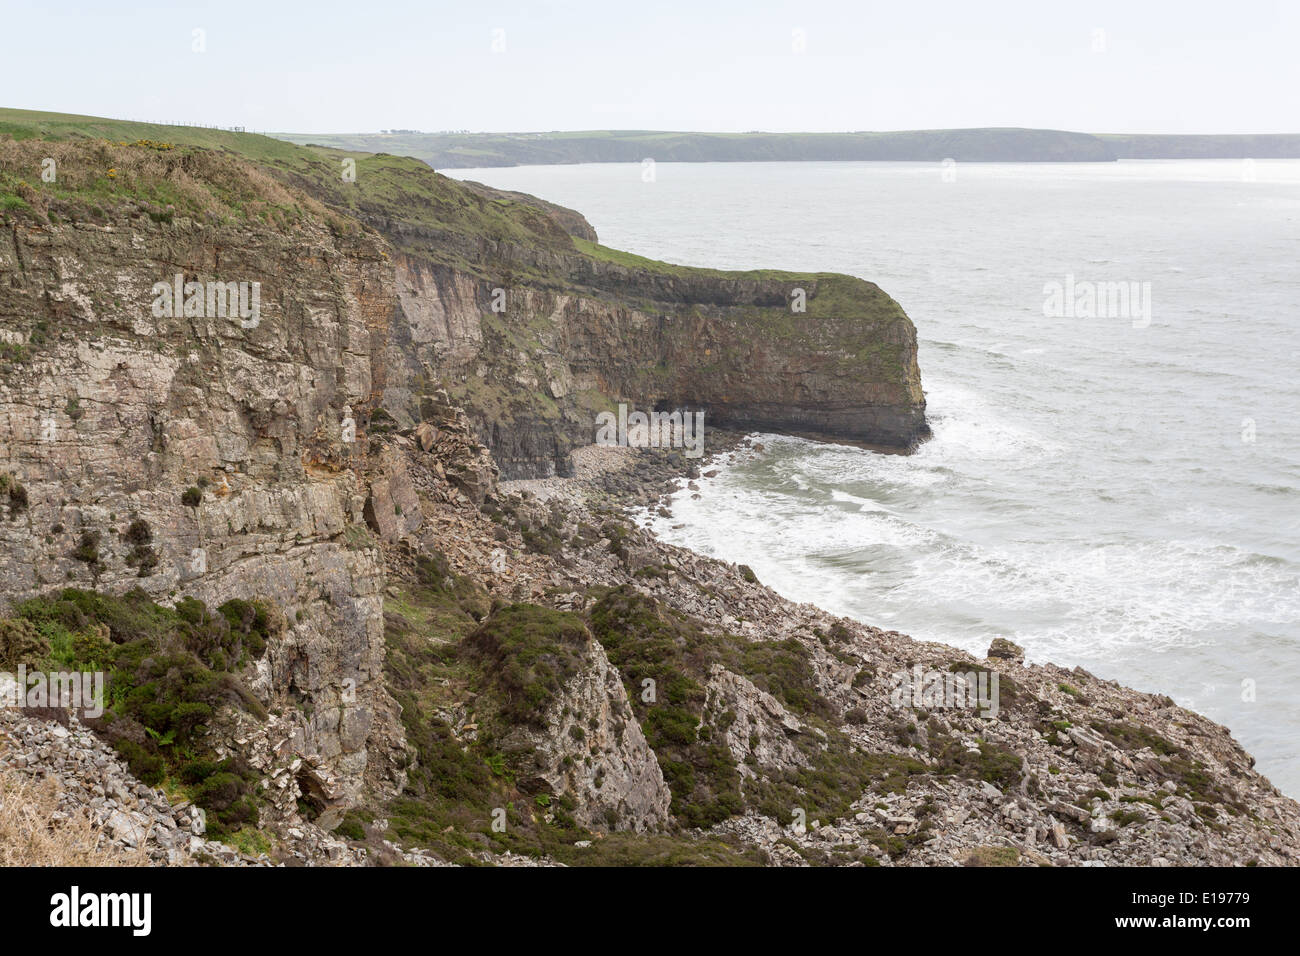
point(1154, 66)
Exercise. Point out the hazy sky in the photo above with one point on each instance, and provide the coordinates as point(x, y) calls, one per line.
point(364, 65)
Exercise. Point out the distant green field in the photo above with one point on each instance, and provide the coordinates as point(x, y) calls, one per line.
point(462, 150)
point(1246, 146)
point(472, 150)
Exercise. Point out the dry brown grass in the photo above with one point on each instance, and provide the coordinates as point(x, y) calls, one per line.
point(29, 838)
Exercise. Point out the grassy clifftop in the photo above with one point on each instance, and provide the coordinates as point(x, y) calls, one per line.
point(400, 189)
point(417, 208)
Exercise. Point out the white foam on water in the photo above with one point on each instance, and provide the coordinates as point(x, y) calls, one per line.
point(864, 504)
point(965, 425)
point(1071, 599)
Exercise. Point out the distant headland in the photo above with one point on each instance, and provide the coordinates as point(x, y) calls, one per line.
point(464, 150)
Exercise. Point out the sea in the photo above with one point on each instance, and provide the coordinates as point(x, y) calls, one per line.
point(1110, 354)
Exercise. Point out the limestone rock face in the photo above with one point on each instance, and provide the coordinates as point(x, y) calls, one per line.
point(393, 508)
point(446, 434)
point(610, 770)
point(532, 366)
point(1002, 649)
point(762, 728)
point(533, 328)
point(115, 412)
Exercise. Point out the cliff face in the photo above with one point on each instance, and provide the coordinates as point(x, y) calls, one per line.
point(534, 329)
point(534, 375)
point(109, 413)
point(508, 303)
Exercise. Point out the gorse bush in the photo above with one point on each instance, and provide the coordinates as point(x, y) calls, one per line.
point(21, 644)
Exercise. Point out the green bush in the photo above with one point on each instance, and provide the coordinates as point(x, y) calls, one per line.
point(87, 548)
point(21, 643)
point(352, 827)
point(168, 672)
point(530, 653)
point(17, 499)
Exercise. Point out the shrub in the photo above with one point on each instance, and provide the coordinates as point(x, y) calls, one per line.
point(531, 652)
point(143, 559)
point(167, 675)
point(87, 548)
point(17, 498)
point(253, 622)
point(138, 532)
point(992, 856)
point(352, 827)
point(21, 643)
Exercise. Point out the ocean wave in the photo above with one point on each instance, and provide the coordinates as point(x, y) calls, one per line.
point(864, 504)
point(1062, 599)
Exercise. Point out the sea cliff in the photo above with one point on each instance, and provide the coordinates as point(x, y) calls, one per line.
point(364, 590)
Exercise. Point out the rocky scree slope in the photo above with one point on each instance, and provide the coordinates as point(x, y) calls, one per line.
point(773, 727)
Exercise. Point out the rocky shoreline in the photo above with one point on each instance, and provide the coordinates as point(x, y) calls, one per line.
point(1104, 775)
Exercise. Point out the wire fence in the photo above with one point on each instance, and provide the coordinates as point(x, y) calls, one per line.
point(227, 129)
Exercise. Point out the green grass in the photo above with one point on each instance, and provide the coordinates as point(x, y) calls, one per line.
point(530, 653)
point(632, 261)
point(386, 187)
point(66, 127)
